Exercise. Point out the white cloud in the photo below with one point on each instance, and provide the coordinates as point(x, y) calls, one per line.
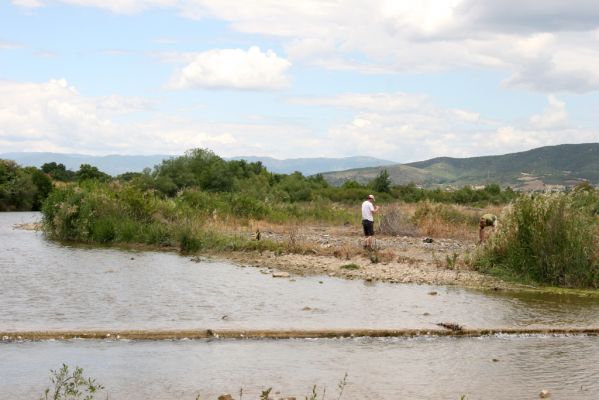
point(423, 130)
point(28, 3)
point(8, 46)
point(233, 68)
point(53, 116)
point(544, 45)
point(554, 116)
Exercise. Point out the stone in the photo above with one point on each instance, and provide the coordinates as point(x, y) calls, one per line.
point(280, 274)
point(544, 394)
point(433, 293)
point(225, 396)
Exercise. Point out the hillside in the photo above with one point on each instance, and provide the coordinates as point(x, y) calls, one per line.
point(566, 165)
point(311, 166)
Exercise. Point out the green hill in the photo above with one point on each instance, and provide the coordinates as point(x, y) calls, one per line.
point(566, 165)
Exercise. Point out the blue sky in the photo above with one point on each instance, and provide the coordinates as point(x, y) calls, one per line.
point(400, 80)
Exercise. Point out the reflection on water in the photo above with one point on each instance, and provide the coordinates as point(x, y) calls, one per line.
point(418, 368)
point(45, 285)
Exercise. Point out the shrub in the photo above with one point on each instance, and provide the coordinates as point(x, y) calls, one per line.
point(549, 239)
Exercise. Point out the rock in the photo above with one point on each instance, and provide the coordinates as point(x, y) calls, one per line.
point(306, 309)
point(428, 240)
point(280, 274)
point(495, 360)
point(544, 394)
point(225, 396)
point(321, 282)
point(426, 314)
point(433, 293)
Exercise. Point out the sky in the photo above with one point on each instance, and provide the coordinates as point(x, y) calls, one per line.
point(401, 80)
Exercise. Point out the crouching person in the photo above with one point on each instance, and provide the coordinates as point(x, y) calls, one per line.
point(486, 220)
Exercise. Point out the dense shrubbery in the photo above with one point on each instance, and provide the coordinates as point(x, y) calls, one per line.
point(22, 189)
point(551, 239)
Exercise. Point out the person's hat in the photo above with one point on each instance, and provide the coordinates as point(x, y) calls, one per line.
point(371, 197)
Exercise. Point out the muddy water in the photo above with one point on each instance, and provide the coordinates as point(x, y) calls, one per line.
point(48, 286)
point(45, 285)
point(419, 368)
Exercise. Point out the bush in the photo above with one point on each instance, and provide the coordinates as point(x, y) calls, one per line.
point(549, 239)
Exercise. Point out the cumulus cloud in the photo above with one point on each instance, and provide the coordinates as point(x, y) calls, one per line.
point(54, 116)
point(544, 45)
point(554, 116)
point(233, 68)
point(419, 129)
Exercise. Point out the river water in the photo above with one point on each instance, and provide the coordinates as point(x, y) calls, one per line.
point(45, 285)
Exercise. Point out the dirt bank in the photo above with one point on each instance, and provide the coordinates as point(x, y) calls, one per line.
point(337, 251)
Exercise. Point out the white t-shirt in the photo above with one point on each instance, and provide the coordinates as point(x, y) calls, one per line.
point(367, 209)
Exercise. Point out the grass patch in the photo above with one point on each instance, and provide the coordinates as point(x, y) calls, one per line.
point(351, 266)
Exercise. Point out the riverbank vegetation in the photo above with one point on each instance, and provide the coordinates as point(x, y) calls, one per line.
point(22, 189)
point(201, 202)
point(197, 201)
point(550, 239)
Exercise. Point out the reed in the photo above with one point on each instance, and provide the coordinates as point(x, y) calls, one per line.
point(550, 239)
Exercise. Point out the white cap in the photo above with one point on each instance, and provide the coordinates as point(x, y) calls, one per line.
point(371, 197)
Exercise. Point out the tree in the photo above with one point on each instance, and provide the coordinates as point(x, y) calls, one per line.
point(58, 172)
point(381, 183)
point(87, 171)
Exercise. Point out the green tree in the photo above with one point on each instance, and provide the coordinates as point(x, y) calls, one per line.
point(381, 183)
point(89, 172)
point(58, 172)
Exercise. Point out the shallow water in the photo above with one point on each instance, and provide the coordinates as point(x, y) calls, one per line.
point(46, 285)
point(419, 368)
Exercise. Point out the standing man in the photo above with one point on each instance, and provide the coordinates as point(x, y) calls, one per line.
point(368, 210)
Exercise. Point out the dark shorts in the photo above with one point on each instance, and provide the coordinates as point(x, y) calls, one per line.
point(368, 227)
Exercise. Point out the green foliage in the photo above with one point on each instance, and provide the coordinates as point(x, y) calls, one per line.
point(351, 266)
point(382, 183)
point(443, 213)
point(490, 194)
point(89, 172)
point(22, 189)
point(550, 239)
point(67, 385)
point(58, 172)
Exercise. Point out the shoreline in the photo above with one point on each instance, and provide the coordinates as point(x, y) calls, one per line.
point(336, 252)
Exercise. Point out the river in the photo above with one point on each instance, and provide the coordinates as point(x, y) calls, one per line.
point(48, 286)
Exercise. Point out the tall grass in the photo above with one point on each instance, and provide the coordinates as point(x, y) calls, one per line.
point(194, 221)
point(550, 239)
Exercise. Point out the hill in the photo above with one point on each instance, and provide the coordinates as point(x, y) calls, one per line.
point(311, 166)
point(561, 165)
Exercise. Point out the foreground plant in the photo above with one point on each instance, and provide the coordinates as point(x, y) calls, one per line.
point(69, 385)
point(550, 239)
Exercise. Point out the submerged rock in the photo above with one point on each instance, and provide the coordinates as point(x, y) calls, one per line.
point(225, 396)
point(544, 394)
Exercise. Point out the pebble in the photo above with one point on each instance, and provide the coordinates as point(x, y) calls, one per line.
point(544, 394)
point(433, 293)
point(280, 274)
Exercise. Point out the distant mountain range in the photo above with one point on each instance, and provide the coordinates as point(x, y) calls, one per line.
point(118, 164)
point(536, 169)
point(311, 166)
point(112, 165)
